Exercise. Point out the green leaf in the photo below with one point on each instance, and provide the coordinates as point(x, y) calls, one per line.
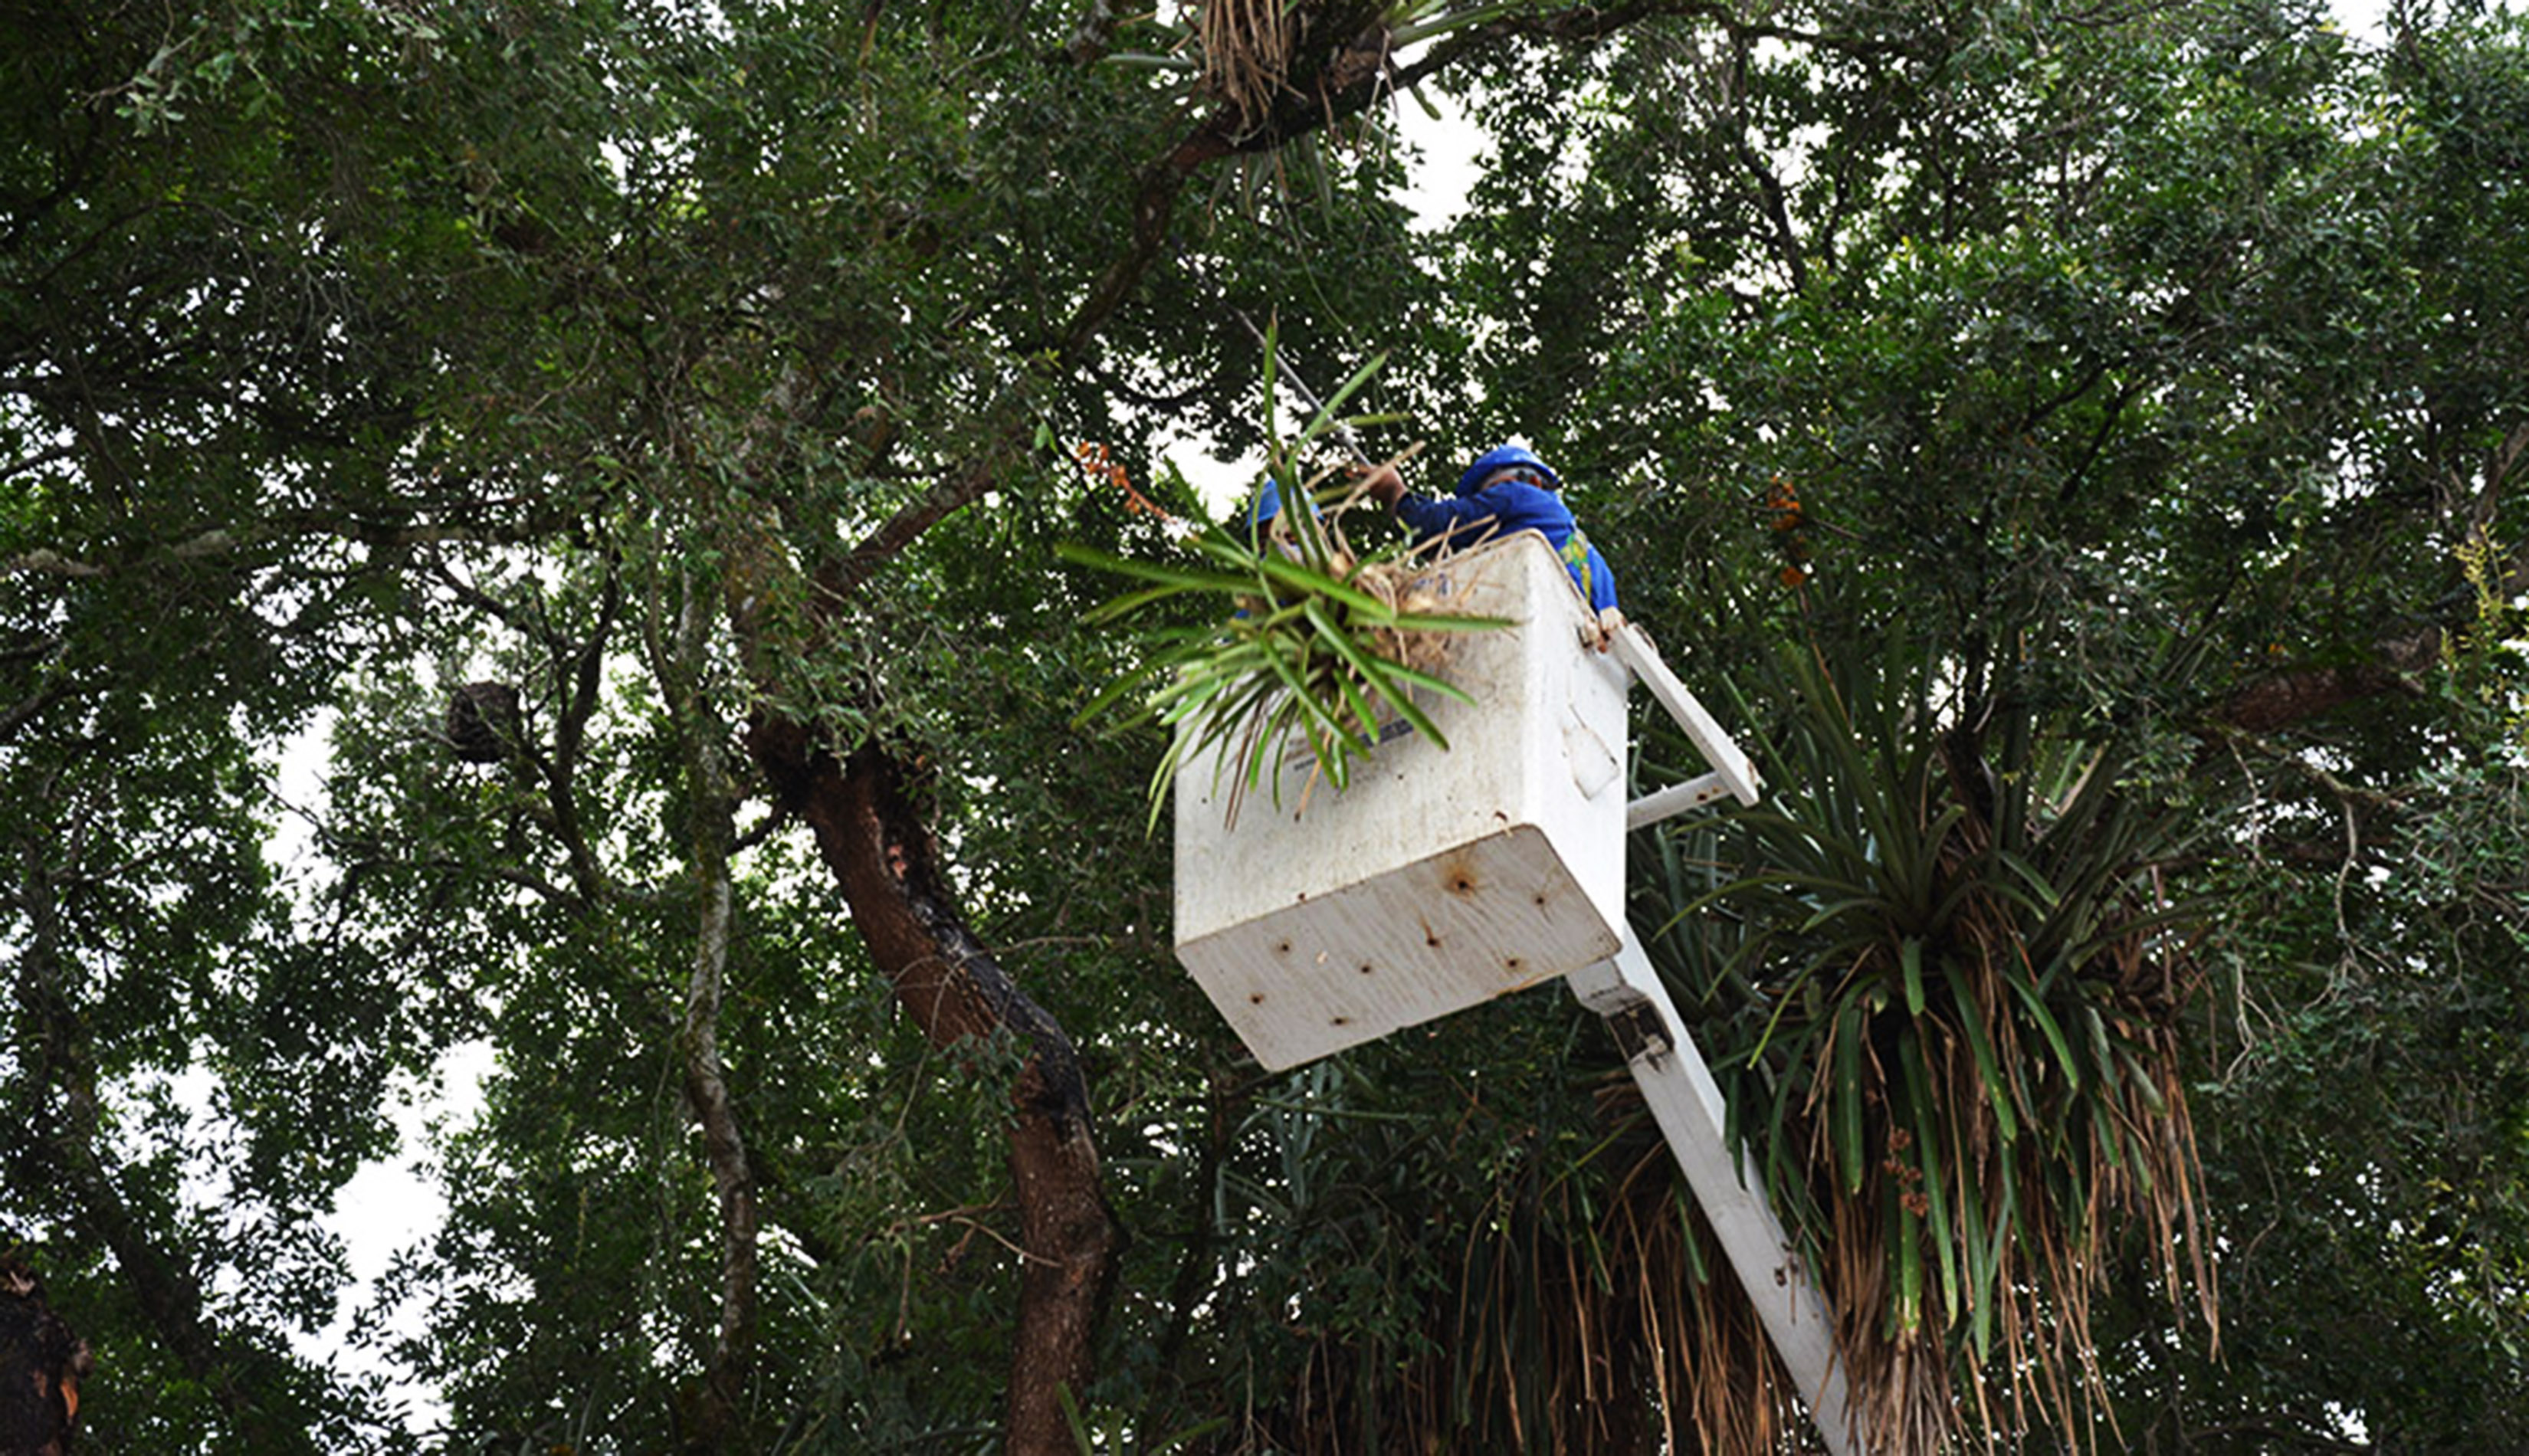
point(1849, 1032)
point(1374, 671)
point(1997, 1087)
point(1294, 574)
point(2054, 1033)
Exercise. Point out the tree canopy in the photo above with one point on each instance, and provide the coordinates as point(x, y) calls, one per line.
point(628, 447)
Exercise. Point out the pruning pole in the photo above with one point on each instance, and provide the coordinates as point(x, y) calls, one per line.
point(1342, 432)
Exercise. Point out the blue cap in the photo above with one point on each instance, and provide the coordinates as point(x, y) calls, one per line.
point(1503, 457)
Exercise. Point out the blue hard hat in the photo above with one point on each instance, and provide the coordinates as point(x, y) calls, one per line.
point(1503, 457)
point(1268, 505)
point(1269, 502)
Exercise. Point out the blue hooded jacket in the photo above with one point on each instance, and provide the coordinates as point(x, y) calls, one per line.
point(1507, 507)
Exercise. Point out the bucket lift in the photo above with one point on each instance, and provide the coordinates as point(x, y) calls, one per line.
point(1440, 879)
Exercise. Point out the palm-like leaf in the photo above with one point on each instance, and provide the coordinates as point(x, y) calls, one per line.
point(1321, 653)
point(1942, 981)
point(1306, 639)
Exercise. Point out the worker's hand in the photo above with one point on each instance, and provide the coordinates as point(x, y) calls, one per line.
point(1610, 620)
point(1384, 484)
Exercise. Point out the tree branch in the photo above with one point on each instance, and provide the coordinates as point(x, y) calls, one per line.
point(24, 711)
point(888, 865)
point(1769, 188)
point(170, 1298)
point(2278, 700)
point(2285, 1428)
point(560, 771)
point(711, 800)
point(845, 577)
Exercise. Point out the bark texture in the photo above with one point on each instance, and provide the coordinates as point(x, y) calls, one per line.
point(706, 1095)
point(719, 1423)
point(872, 837)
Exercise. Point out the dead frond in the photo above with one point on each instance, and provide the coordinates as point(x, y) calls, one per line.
point(1246, 47)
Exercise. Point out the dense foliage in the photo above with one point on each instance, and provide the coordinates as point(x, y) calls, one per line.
point(2085, 445)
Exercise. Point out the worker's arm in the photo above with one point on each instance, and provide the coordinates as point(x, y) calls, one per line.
point(1461, 520)
point(1464, 520)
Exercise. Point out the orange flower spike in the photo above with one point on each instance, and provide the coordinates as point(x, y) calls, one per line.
point(1784, 503)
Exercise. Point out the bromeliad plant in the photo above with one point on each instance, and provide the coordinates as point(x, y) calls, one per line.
point(1306, 639)
point(1945, 976)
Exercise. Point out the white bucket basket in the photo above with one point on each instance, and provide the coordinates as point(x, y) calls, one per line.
point(1436, 879)
point(1442, 878)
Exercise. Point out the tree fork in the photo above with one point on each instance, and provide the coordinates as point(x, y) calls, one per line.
point(874, 841)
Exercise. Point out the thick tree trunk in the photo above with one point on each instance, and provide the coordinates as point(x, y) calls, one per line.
point(40, 1366)
point(874, 841)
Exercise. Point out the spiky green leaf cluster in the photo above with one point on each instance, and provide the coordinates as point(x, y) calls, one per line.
point(1303, 643)
point(1295, 656)
point(1949, 981)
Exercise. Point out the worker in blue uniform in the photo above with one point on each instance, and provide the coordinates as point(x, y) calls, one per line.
point(1261, 513)
point(1507, 489)
point(1267, 506)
